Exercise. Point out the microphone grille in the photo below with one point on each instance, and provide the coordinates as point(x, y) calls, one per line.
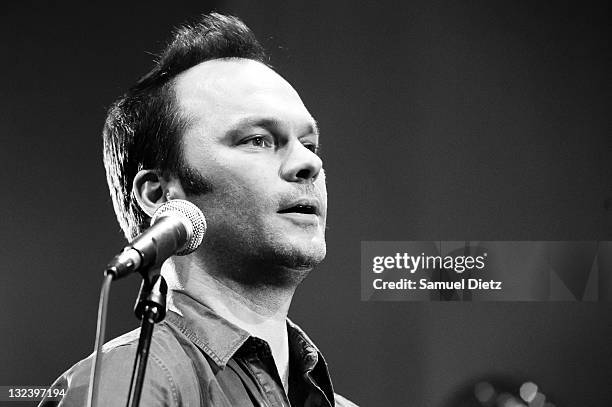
point(194, 220)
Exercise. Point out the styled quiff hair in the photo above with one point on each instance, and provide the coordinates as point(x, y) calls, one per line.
point(143, 128)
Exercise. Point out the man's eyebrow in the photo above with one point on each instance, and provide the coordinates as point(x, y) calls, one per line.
point(270, 123)
point(315, 128)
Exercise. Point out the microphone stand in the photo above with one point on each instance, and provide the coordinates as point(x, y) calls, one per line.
point(150, 309)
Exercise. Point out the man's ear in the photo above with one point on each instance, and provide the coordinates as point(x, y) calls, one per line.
point(151, 190)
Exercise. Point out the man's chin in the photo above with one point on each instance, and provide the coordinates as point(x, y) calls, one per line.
point(302, 257)
point(284, 268)
point(309, 251)
point(299, 257)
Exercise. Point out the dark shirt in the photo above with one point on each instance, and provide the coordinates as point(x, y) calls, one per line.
point(199, 359)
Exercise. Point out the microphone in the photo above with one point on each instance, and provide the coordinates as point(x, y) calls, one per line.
point(177, 227)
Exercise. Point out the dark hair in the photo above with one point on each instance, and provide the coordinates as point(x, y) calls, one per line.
point(143, 127)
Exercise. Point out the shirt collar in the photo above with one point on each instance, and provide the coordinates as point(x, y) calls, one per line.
point(302, 348)
point(215, 336)
point(309, 359)
point(220, 339)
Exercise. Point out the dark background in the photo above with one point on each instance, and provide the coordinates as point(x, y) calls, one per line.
point(440, 121)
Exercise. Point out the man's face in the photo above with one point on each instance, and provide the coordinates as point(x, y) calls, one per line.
point(253, 142)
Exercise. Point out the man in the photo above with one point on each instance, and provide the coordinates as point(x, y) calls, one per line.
point(213, 124)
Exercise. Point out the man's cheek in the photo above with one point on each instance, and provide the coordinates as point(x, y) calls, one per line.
point(321, 188)
point(321, 176)
point(321, 183)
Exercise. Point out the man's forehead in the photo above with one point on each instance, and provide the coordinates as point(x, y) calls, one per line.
point(219, 77)
point(233, 88)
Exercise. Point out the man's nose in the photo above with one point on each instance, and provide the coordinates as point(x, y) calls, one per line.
point(300, 164)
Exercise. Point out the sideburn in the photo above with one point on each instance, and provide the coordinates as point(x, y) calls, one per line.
point(192, 181)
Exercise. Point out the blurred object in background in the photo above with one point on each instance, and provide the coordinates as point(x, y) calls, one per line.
point(499, 392)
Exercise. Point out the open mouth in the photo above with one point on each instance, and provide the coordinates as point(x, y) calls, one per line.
point(305, 209)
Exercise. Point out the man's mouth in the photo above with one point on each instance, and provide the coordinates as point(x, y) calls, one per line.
point(301, 208)
point(304, 206)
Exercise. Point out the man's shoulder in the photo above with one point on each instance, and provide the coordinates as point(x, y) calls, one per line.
point(127, 339)
point(165, 348)
point(166, 352)
point(167, 363)
point(117, 355)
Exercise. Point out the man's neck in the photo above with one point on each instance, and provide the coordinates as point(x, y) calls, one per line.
point(251, 304)
point(261, 311)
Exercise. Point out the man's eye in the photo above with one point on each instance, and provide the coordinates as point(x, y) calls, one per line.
point(312, 147)
point(260, 141)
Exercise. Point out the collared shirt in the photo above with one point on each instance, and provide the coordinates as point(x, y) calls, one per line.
point(199, 359)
